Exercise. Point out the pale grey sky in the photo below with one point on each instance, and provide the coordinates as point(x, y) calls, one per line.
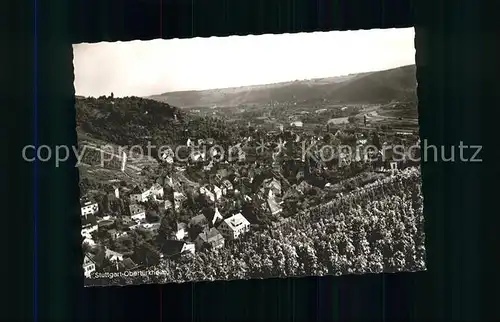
point(142, 68)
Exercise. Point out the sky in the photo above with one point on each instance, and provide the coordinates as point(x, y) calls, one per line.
point(143, 68)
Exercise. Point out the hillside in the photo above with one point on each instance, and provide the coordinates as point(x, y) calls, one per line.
point(372, 87)
point(136, 121)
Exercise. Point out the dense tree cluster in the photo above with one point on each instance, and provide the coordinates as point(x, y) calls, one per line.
point(137, 121)
point(376, 229)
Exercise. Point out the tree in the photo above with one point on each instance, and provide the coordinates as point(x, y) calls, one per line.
point(146, 254)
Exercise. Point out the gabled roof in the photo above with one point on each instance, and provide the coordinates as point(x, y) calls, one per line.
point(156, 186)
point(139, 189)
point(181, 225)
point(273, 205)
point(136, 209)
point(210, 235)
point(236, 221)
point(198, 219)
point(89, 219)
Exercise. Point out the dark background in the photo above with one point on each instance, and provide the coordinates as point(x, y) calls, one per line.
point(456, 87)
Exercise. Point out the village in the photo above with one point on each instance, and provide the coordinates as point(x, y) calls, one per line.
point(205, 202)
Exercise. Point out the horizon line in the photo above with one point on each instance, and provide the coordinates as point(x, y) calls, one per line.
point(252, 85)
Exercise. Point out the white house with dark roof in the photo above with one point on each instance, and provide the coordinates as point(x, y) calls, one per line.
point(89, 207)
point(140, 194)
point(88, 266)
point(234, 226)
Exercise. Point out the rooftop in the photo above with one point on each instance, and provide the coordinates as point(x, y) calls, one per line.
point(236, 221)
point(210, 235)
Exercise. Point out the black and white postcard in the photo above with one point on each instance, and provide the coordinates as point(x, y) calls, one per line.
point(249, 157)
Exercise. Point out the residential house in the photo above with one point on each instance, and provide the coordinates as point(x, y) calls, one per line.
point(126, 220)
point(89, 207)
point(273, 185)
point(137, 212)
point(127, 265)
point(169, 204)
point(88, 265)
point(197, 156)
point(273, 206)
point(212, 215)
point(134, 226)
point(113, 192)
point(221, 174)
point(241, 155)
point(112, 233)
point(297, 124)
point(150, 227)
point(176, 202)
point(106, 222)
point(209, 166)
point(113, 256)
point(168, 156)
point(89, 241)
point(234, 226)
point(292, 192)
point(121, 234)
point(181, 231)
point(227, 187)
point(157, 191)
point(210, 237)
point(89, 225)
point(175, 248)
point(394, 166)
point(199, 220)
point(205, 191)
point(361, 141)
point(140, 194)
point(303, 186)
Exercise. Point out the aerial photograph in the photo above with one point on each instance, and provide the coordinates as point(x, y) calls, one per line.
point(249, 157)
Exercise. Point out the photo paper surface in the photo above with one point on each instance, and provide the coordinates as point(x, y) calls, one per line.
point(249, 157)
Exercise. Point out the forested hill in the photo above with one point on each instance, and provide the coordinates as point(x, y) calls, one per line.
point(137, 121)
point(371, 87)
